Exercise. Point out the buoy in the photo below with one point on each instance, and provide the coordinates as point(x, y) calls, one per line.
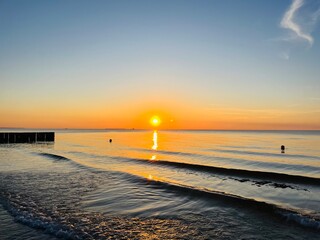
point(282, 148)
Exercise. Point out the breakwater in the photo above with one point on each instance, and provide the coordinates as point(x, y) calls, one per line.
point(26, 137)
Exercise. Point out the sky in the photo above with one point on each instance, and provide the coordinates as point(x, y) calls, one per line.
point(232, 64)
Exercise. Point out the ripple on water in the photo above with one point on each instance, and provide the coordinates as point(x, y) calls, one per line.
point(51, 202)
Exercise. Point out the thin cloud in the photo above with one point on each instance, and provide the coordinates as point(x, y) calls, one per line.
point(289, 23)
point(284, 55)
point(315, 16)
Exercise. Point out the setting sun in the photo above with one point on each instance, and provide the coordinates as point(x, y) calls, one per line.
point(155, 121)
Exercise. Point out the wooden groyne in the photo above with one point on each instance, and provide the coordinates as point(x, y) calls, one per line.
point(26, 137)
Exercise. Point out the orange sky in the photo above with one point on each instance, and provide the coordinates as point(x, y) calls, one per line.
point(175, 116)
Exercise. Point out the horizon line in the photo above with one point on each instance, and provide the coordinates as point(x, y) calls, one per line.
point(159, 129)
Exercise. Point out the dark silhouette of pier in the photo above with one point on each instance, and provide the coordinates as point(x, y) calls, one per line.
point(26, 137)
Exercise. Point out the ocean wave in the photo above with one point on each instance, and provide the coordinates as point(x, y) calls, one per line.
point(63, 216)
point(167, 152)
point(265, 154)
point(58, 158)
point(55, 156)
point(288, 215)
point(261, 175)
point(300, 219)
point(234, 200)
point(232, 171)
point(238, 160)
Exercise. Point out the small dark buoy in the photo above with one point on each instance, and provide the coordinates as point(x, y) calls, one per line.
point(282, 148)
point(110, 140)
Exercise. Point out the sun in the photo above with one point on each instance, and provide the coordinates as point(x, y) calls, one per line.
point(155, 121)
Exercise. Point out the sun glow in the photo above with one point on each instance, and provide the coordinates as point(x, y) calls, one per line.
point(155, 121)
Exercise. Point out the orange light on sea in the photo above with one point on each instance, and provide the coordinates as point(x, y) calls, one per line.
point(155, 140)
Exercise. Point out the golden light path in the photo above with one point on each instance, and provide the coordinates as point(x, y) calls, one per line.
point(155, 144)
point(155, 140)
point(155, 121)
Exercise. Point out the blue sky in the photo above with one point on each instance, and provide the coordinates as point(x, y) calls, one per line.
point(213, 56)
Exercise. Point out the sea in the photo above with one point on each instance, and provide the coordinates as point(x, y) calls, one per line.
point(157, 184)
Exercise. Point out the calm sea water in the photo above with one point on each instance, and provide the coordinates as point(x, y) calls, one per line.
point(162, 185)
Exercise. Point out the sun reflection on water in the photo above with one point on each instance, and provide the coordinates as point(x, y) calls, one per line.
point(155, 140)
point(155, 144)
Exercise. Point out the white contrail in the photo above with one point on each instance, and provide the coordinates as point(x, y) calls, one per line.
point(288, 21)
